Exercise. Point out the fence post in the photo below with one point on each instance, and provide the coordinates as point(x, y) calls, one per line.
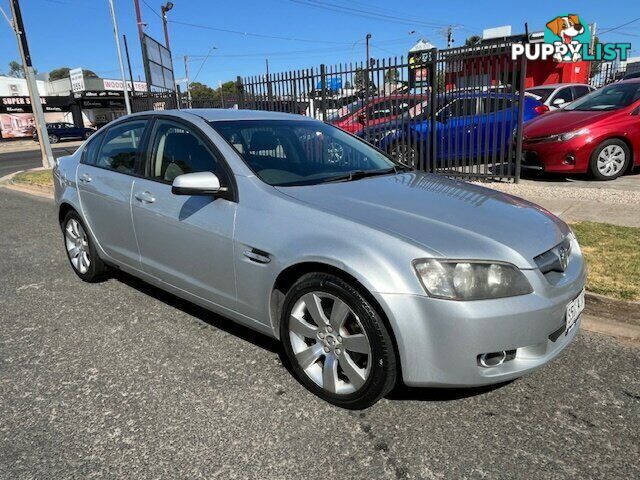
point(240, 90)
point(323, 89)
point(523, 75)
point(433, 100)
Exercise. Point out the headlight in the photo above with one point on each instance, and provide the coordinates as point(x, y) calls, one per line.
point(565, 137)
point(469, 280)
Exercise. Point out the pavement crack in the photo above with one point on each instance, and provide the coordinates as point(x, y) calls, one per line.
point(631, 395)
point(382, 447)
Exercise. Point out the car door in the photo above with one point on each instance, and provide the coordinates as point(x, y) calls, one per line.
point(581, 90)
point(105, 180)
point(185, 241)
point(458, 124)
point(561, 98)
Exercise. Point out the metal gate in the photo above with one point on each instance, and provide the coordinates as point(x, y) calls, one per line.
point(458, 111)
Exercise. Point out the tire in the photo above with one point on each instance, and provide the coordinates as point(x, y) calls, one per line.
point(76, 238)
point(87, 135)
point(351, 366)
point(405, 154)
point(53, 138)
point(609, 160)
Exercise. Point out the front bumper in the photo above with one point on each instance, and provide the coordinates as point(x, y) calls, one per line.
point(572, 156)
point(439, 341)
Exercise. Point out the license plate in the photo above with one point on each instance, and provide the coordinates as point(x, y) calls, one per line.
point(574, 309)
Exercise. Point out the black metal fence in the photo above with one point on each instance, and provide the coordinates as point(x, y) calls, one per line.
point(457, 111)
point(609, 72)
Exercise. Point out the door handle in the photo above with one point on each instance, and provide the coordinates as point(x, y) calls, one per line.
point(85, 178)
point(145, 197)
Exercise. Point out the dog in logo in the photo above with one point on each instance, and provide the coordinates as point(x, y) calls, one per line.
point(567, 28)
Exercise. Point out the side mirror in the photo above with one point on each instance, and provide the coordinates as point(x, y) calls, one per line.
point(199, 183)
point(362, 119)
point(558, 101)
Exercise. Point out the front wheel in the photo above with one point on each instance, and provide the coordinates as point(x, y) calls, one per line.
point(53, 138)
point(609, 160)
point(336, 342)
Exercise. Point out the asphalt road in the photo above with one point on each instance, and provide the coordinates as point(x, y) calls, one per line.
point(120, 380)
point(11, 162)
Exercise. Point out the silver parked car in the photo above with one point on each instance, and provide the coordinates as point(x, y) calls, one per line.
point(368, 273)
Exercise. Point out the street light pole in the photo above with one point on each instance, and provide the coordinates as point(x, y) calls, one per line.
point(32, 85)
point(122, 75)
point(164, 9)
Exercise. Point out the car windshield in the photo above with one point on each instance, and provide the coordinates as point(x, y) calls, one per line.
point(344, 112)
point(540, 94)
point(302, 152)
point(614, 96)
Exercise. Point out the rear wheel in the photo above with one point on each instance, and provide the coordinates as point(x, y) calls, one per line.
point(336, 343)
point(87, 135)
point(81, 250)
point(609, 160)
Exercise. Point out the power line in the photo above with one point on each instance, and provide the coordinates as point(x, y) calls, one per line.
point(618, 27)
point(367, 14)
point(254, 34)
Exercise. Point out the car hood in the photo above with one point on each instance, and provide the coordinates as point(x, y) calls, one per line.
point(447, 218)
point(561, 121)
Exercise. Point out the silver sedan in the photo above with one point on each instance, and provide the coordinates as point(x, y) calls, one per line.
point(368, 273)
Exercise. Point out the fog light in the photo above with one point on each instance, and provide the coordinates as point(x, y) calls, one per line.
point(570, 159)
point(495, 359)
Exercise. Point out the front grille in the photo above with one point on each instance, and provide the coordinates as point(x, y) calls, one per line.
point(555, 259)
point(531, 160)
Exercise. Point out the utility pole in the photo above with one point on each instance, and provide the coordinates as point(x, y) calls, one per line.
point(136, 3)
point(592, 46)
point(32, 85)
point(186, 74)
point(164, 9)
point(221, 92)
point(449, 36)
point(366, 82)
point(122, 75)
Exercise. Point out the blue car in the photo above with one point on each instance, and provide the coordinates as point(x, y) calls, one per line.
point(468, 125)
point(66, 131)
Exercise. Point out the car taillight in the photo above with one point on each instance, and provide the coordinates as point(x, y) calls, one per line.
point(540, 109)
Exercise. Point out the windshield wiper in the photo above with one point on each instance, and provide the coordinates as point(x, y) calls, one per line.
point(358, 174)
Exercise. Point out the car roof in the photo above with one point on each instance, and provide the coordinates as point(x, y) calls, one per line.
point(629, 80)
point(558, 85)
point(220, 114)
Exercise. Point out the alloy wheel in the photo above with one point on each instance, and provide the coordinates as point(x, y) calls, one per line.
point(611, 160)
point(329, 343)
point(77, 243)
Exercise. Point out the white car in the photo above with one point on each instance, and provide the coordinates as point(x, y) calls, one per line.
point(557, 95)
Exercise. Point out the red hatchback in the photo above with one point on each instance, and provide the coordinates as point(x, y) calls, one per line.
point(353, 117)
point(598, 133)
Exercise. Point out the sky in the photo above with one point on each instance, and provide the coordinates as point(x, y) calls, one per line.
point(291, 34)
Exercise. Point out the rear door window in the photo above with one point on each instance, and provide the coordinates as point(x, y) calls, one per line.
point(121, 146)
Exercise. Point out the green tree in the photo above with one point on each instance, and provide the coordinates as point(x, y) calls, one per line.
point(200, 91)
point(359, 79)
point(15, 69)
point(472, 40)
point(63, 72)
point(392, 76)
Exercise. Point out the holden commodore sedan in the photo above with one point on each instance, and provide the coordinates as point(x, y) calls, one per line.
point(368, 273)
